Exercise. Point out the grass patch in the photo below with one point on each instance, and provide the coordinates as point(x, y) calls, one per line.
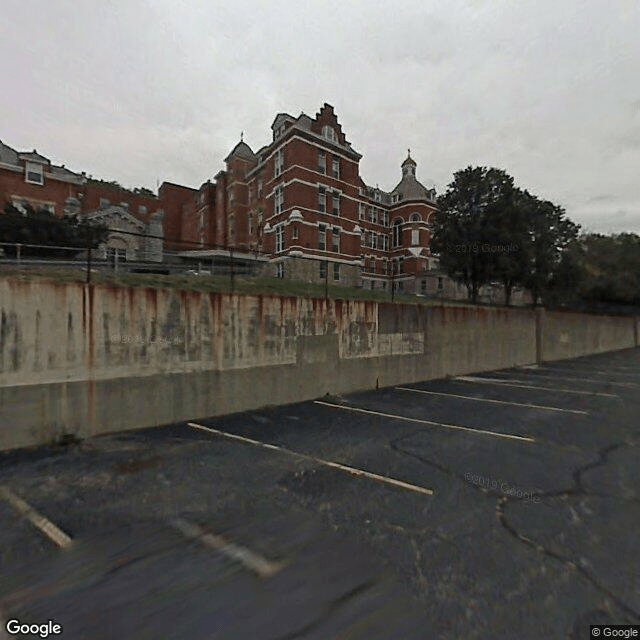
point(241, 284)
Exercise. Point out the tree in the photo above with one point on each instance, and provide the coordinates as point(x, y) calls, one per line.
point(550, 234)
point(40, 227)
point(471, 219)
point(610, 268)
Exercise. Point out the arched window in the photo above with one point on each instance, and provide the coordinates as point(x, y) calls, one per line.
point(397, 232)
point(415, 217)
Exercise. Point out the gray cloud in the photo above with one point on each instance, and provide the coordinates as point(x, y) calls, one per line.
point(137, 90)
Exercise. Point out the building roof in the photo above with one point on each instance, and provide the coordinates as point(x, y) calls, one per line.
point(241, 150)
point(34, 156)
point(409, 188)
point(409, 159)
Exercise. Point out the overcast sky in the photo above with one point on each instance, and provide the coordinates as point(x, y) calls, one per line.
point(134, 91)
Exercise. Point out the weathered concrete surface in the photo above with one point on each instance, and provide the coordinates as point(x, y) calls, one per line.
point(84, 359)
point(568, 335)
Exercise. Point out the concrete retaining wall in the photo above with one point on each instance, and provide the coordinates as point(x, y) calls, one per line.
point(91, 359)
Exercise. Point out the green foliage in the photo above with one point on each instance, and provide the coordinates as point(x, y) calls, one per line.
point(40, 227)
point(488, 230)
point(549, 235)
point(475, 217)
point(609, 267)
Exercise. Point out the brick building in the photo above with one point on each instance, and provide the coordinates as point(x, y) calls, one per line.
point(29, 178)
point(301, 200)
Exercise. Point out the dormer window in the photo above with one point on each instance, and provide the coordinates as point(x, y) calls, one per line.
point(329, 133)
point(33, 173)
point(377, 196)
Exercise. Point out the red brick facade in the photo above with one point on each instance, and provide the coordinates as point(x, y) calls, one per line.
point(300, 200)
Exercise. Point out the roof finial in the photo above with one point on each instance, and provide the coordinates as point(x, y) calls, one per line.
point(409, 153)
point(241, 135)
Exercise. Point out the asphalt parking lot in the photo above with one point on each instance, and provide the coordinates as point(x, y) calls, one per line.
point(500, 505)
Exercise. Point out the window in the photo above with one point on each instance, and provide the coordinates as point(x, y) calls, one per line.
point(381, 241)
point(279, 199)
point(372, 284)
point(373, 240)
point(279, 238)
point(362, 211)
point(364, 237)
point(336, 271)
point(335, 240)
point(280, 270)
point(440, 284)
point(336, 203)
point(279, 162)
point(335, 167)
point(377, 196)
point(142, 210)
point(294, 233)
point(104, 203)
point(322, 162)
point(373, 215)
point(384, 221)
point(33, 173)
point(397, 232)
point(322, 238)
point(259, 188)
point(322, 200)
point(231, 196)
point(415, 237)
point(116, 255)
point(329, 133)
point(394, 198)
point(423, 286)
point(323, 269)
point(415, 217)
point(250, 223)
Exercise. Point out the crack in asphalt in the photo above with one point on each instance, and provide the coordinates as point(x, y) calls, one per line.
point(504, 500)
point(329, 610)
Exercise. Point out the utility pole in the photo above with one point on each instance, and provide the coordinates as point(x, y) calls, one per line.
point(232, 274)
point(326, 279)
point(89, 259)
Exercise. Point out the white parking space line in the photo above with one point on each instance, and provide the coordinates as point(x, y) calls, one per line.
point(617, 383)
point(491, 400)
point(495, 434)
point(516, 383)
point(46, 526)
point(327, 463)
point(262, 567)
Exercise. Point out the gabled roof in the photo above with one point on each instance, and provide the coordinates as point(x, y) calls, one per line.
point(112, 212)
point(34, 156)
point(281, 118)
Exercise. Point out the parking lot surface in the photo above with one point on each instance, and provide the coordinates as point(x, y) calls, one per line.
point(500, 505)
